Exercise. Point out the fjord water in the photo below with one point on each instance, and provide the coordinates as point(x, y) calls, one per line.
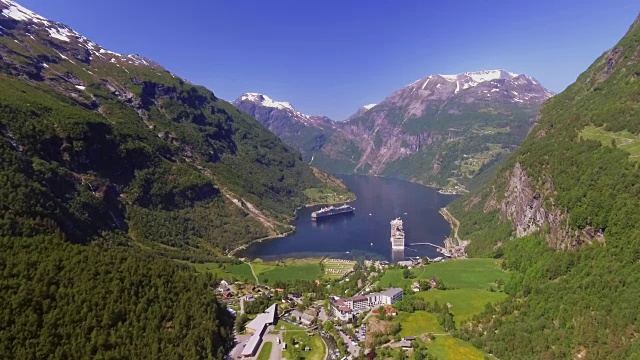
point(366, 232)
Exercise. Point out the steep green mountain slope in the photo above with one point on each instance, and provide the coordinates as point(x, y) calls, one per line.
point(119, 143)
point(564, 214)
point(108, 164)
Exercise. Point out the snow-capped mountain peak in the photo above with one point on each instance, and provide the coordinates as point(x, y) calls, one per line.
point(482, 76)
point(368, 107)
point(266, 101)
point(20, 13)
point(35, 24)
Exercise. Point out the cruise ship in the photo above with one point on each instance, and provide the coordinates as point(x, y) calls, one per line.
point(397, 234)
point(331, 211)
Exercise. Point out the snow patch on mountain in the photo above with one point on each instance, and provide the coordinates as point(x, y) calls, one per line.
point(368, 107)
point(20, 13)
point(264, 100)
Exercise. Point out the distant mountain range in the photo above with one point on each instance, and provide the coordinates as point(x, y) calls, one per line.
point(307, 133)
point(442, 130)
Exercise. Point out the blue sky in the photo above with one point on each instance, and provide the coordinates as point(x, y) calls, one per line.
point(330, 57)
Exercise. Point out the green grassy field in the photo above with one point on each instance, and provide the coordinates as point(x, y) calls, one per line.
point(491, 130)
point(284, 270)
point(287, 270)
point(418, 323)
point(450, 348)
point(240, 272)
point(445, 346)
point(465, 302)
point(456, 274)
point(291, 332)
point(624, 140)
point(265, 352)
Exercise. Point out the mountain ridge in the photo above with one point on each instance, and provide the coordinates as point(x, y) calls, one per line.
point(433, 131)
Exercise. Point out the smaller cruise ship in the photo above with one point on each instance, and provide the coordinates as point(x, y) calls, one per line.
point(331, 211)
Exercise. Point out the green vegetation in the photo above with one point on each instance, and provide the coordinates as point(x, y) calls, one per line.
point(297, 339)
point(101, 182)
point(418, 323)
point(234, 272)
point(450, 348)
point(623, 140)
point(287, 270)
point(478, 273)
point(265, 351)
point(579, 302)
point(63, 301)
point(465, 303)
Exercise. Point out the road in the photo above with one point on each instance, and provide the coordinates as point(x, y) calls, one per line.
point(354, 350)
point(276, 349)
point(455, 224)
point(252, 272)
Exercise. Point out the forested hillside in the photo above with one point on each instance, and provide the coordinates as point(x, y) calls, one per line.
point(563, 213)
point(110, 165)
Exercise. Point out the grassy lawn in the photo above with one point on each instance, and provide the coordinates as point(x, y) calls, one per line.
point(265, 352)
point(444, 346)
point(466, 302)
point(327, 196)
point(450, 348)
point(418, 323)
point(287, 270)
point(240, 272)
point(624, 140)
point(456, 274)
point(291, 333)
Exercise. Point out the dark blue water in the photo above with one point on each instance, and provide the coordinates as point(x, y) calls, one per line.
point(360, 235)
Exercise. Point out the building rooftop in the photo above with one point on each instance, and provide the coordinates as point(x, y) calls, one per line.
point(252, 345)
point(272, 312)
point(357, 298)
point(392, 292)
point(259, 322)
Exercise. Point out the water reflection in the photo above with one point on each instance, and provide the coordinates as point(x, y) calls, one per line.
point(397, 255)
point(327, 222)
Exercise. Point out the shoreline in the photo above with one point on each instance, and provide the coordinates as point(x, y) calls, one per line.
point(292, 230)
point(453, 222)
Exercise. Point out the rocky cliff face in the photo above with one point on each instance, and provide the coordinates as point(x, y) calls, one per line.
point(525, 208)
point(361, 111)
point(441, 130)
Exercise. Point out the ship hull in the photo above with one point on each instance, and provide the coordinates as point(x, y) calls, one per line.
point(323, 216)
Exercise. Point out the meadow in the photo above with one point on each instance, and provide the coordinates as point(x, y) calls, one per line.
point(444, 346)
point(295, 335)
point(237, 272)
point(456, 274)
point(287, 270)
point(465, 303)
point(624, 140)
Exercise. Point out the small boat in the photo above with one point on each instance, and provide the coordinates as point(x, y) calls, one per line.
point(369, 214)
point(347, 252)
point(405, 213)
point(371, 244)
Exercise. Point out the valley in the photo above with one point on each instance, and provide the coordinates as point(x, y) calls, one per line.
point(143, 216)
point(441, 131)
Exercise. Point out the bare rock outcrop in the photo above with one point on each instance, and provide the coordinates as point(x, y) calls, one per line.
point(524, 206)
